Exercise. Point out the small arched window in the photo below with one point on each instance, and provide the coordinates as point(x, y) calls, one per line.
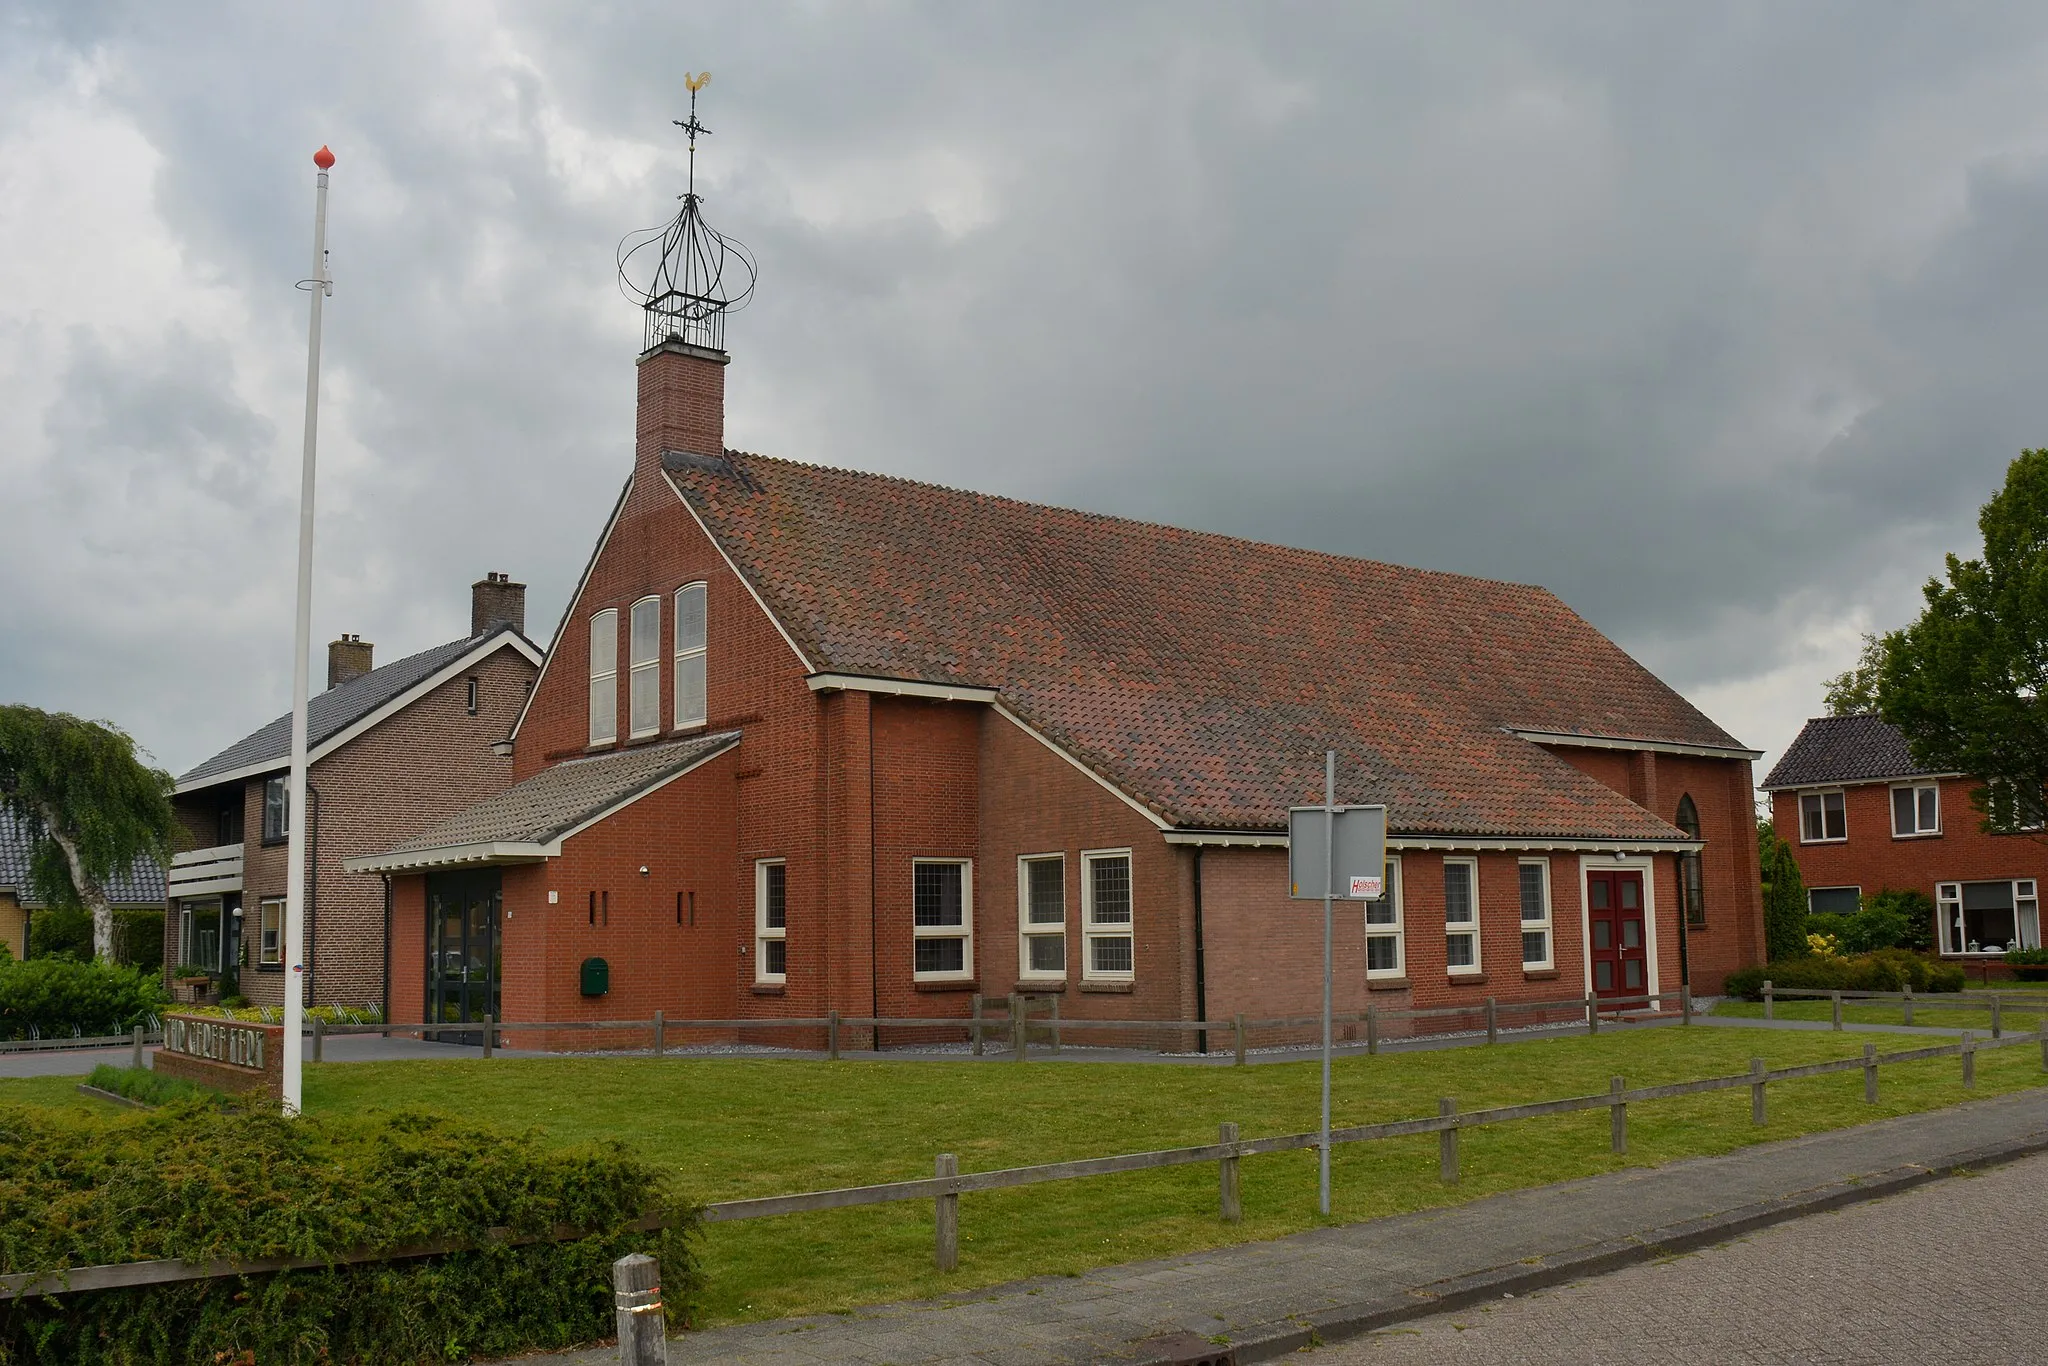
point(1692, 886)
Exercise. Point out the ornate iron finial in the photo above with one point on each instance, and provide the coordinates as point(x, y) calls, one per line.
point(685, 274)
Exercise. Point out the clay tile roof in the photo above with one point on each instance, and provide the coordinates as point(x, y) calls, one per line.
point(141, 885)
point(1844, 749)
point(1202, 674)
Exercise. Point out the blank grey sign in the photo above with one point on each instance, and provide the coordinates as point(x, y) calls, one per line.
point(1361, 864)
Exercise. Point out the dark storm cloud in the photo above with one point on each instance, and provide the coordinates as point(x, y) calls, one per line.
point(1719, 322)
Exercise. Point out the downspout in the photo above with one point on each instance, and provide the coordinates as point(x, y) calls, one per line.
point(1201, 977)
point(1684, 916)
point(874, 923)
point(312, 884)
point(387, 948)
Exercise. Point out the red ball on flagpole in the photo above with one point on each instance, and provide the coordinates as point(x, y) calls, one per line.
point(323, 158)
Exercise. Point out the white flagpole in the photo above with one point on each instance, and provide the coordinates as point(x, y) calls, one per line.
point(302, 647)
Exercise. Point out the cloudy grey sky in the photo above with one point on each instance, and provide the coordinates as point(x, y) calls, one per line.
point(1721, 320)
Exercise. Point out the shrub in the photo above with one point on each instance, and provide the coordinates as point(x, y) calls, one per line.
point(139, 1083)
point(203, 1182)
point(54, 998)
point(1908, 913)
point(61, 932)
point(1884, 970)
point(2027, 957)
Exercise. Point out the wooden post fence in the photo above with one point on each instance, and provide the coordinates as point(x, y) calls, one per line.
point(1870, 1074)
point(1492, 1021)
point(1835, 1009)
point(1617, 1115)
point(1767, 999)
point(1237, 1037)
point(490, 1034)
point(1970, 1059)
point(1229, 1194)
point(1592, 1013)
point(1997, 1017)
point(636, 1296)
point(1756, 1090)
point(974, 1029)
point(1372, 1029)
point(1017, 1026)
point(1909, 1003)
point(946, 1252)
point(660, 1033)
point(832, 1036)
point(1056, 1028)
point(319, 1036)
point(2043, 1030)
point(1685, 1004)
point(135, 1053)
point(1447, 1142)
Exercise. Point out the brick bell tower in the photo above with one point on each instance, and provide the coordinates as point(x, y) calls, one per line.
point(686, 276)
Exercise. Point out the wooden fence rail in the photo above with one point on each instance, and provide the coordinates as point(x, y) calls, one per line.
point(948, 1183)
point(1999, 1000)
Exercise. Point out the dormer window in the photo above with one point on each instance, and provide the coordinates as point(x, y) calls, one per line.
point(643, 678)
point(692, 700)
point(604, 677)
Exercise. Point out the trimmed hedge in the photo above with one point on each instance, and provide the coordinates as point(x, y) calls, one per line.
point(151, 1088)
point(54, 998)
point(1885, 970)
point(199, 1181)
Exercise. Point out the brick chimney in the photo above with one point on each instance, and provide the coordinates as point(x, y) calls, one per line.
point(494, 599)
point(682, 404)
point(347, 658)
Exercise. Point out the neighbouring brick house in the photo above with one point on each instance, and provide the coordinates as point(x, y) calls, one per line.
point(1862, 817)
point(813, 739)
point(391, 751)
point(141, 888)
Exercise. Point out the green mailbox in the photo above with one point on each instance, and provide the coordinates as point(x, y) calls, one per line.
point(597, 977)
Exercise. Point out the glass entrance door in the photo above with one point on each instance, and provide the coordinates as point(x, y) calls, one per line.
point(463, 952)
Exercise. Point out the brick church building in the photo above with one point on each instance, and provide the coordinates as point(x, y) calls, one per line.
point(810, 738)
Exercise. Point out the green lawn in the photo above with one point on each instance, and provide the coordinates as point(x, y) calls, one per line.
point(2015, 1020)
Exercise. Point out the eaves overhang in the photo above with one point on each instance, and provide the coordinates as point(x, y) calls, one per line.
point(1573, 738)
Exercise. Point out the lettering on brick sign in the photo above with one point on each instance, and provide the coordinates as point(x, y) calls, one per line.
point(236, 1045)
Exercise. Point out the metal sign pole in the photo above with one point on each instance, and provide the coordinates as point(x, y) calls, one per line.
point(1329, 877)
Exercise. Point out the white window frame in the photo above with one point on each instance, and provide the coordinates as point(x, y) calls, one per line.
point(604, 676)
point(2005, 812)
point(281, 785)
point(693, 659)
point(1821, 794)
point(1468, 929)
point(1918, 832)
point(1948, 910)
point(1028, 930)
point(270, 932)
point(1091, 930)
point(1389, 928)
point(964, 931)
point(765, 933)
point(639, 667)
point(1547, 925)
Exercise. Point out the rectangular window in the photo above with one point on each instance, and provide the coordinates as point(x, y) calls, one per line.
point(1834, 900)
point(692, 701)
point(771, 920)
point(277, 808)
point(1535, 888)
point(469, 692)
point(643, 677)
point(270, 933)
point(1106, 922)
point(2011, 812)
point(1916, 810)
point(1385, 954)
point(1822, 818)
point(1989, 917)
point(942, 918)
point(604, 677)
point(1042, 916)
point(1461, 915)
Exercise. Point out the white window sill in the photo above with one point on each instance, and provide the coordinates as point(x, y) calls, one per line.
point(1916, 835)
point(1839, 839)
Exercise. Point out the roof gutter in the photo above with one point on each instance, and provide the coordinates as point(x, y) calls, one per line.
point(1565, 737)
point(899, 687)
point(453, 856)
point(1861, 782)
point(1276, 839)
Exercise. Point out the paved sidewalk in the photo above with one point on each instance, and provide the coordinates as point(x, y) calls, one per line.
point(1268, 1297)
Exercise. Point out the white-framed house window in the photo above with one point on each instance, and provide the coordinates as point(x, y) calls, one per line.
point(277, 809)
point(1385, 954)
point(771, 920)
point(1538, 948)
point(1988, 917)
point(692, 640)
point(1106, 923)
point(604, 676)
point(2011, 812)
point(643, 678)
point(942, 919)
point(1042, 917)
point(1461, 915)
point(1823, 817)
point(270, 933)
point(1916, 810)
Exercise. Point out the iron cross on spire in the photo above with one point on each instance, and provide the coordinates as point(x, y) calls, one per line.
point(695, 83)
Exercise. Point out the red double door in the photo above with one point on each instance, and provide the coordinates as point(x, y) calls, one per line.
point(1619, 945)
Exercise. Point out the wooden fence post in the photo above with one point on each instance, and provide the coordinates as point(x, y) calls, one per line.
point(636, 1296)
point(1870, 1074)
point(1592, 1013)
point(1055, 1024)
point(319, 1037)
point(1372, 1028)
point(2044, 1043)
point(1835, 1009)
point(974, 1030)
point(1492, 1021)
point(660, 1033)
point(946, 1252)
point(832, 1036)
point(1231, 1197)
point(1447, 1142)
point(1685, 1004)
point(135, 1054)
point(490, 1034)
point(1970, 1058)
point(1756, 1090)
point(1997, 1016)
point(1617, 1114)
point(1909, 1003)
point(1237, 1032)
point(1017, 1044)
point(1769, 1001)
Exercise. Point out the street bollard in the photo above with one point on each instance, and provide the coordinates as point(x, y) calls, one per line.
point(1231, 1196)
point(1447, 1142)
point(1237, 1037)
point(1617, 1114)
point(135, 1054)
point(636, 1297)
point(1492, 1021)
point(319, 1036)
point(1592, 1013)
point(946, 1251)
point(1970, 1058)
point(1372, 1029)
point(1768, 999)
point(974, 1029)
point(660, 1033)
point(832, 1036)
point(1756, 1092)
point(1870, 1074)
point(490, 1034)
point(1835, 1009)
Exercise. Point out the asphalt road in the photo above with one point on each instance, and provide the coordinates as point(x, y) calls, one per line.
point(1945, 1273)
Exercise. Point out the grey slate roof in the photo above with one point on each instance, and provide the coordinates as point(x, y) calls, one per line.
point(331, 712)
point(1844, 749)
point(560, 798)
point(141, 885)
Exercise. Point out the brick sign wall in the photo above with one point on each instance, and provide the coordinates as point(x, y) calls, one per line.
point(227, 1055)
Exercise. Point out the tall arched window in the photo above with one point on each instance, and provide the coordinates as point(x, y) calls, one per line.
point(604, 676)
point(1692, 887)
